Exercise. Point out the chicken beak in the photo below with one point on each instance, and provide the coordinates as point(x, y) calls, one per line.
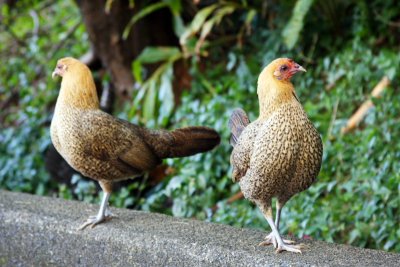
point(54, 75)
point(302, 69)
point(297, 67)
point(57, 72)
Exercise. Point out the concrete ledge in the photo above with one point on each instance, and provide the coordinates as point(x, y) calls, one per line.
point(40, 231)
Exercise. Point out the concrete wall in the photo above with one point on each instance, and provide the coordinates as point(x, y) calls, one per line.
point(41, 231)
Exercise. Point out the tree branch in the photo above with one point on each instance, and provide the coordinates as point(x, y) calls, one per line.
point(359, 115)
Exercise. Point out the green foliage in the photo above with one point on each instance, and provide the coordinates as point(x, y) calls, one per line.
point(157, 106)
point(29, 48)
point(356, 198)
point(357, 195)
point(291, 32)
point(156, 103)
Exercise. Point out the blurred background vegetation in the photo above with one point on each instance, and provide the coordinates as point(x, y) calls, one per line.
point(172, 63)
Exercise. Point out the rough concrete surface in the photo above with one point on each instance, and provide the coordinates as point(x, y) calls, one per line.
point(41, 231)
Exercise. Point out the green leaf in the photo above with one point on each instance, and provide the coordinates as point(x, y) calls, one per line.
point(108, 6)
point(207, 26)
point(197, 23)
point(178, 25)
point(205, 31)
point(223, 12)
point(166, 94)
point(137, 71)
point(175, 6)
point(215, 20)
point(149, 105)
point(250, 16)
point(292, 30)
point(201, 16)
point(156, 54)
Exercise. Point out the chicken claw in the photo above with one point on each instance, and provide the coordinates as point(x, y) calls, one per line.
point(271, 240)
point(103, 215)
point(287, 247)
point(92, 221)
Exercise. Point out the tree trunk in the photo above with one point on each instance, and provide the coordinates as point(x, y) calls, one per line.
point(105, 33)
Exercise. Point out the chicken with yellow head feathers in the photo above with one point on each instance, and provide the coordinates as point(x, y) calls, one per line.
point(279, 154)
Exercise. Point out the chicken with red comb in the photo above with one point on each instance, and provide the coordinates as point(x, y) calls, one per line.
point(280, 153)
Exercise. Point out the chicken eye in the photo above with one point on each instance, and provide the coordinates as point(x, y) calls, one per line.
point(59, 66)
point(283, 68)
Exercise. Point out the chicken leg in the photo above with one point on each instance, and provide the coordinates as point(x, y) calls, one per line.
point(104, 213)
point(275, 238)
point(279, 154)
point(270, 238)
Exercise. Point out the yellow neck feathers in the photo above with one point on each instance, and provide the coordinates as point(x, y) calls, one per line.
point(78, 89)
point(272, 93)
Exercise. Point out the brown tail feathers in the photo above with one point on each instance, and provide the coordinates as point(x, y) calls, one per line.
point(237, 123)
point(182, 142)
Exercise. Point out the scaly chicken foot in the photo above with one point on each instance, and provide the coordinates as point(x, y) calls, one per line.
point(281, 246)
point(92, 221)
point(274, 236)
point(286, 247)
point(271, 240)
point(103, 215)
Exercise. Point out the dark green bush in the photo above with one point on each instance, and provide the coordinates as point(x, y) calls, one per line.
point(356, 198)
point(26, 90)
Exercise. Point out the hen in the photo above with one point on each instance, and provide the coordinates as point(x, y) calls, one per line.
point(279, 154)
point(106, 148)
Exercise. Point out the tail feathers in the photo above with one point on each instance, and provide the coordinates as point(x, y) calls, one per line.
point(237, 123)
point(182, 142)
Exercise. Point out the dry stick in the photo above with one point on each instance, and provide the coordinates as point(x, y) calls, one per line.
point(363, 109)
point(237, 196)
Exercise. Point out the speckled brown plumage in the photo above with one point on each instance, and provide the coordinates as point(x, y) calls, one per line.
point(106, 148)
point(279, 154)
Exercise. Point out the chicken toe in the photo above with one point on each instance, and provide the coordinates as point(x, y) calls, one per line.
point(271, 240)
point(286, 247)
point(103, 215)
point(92, 221)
